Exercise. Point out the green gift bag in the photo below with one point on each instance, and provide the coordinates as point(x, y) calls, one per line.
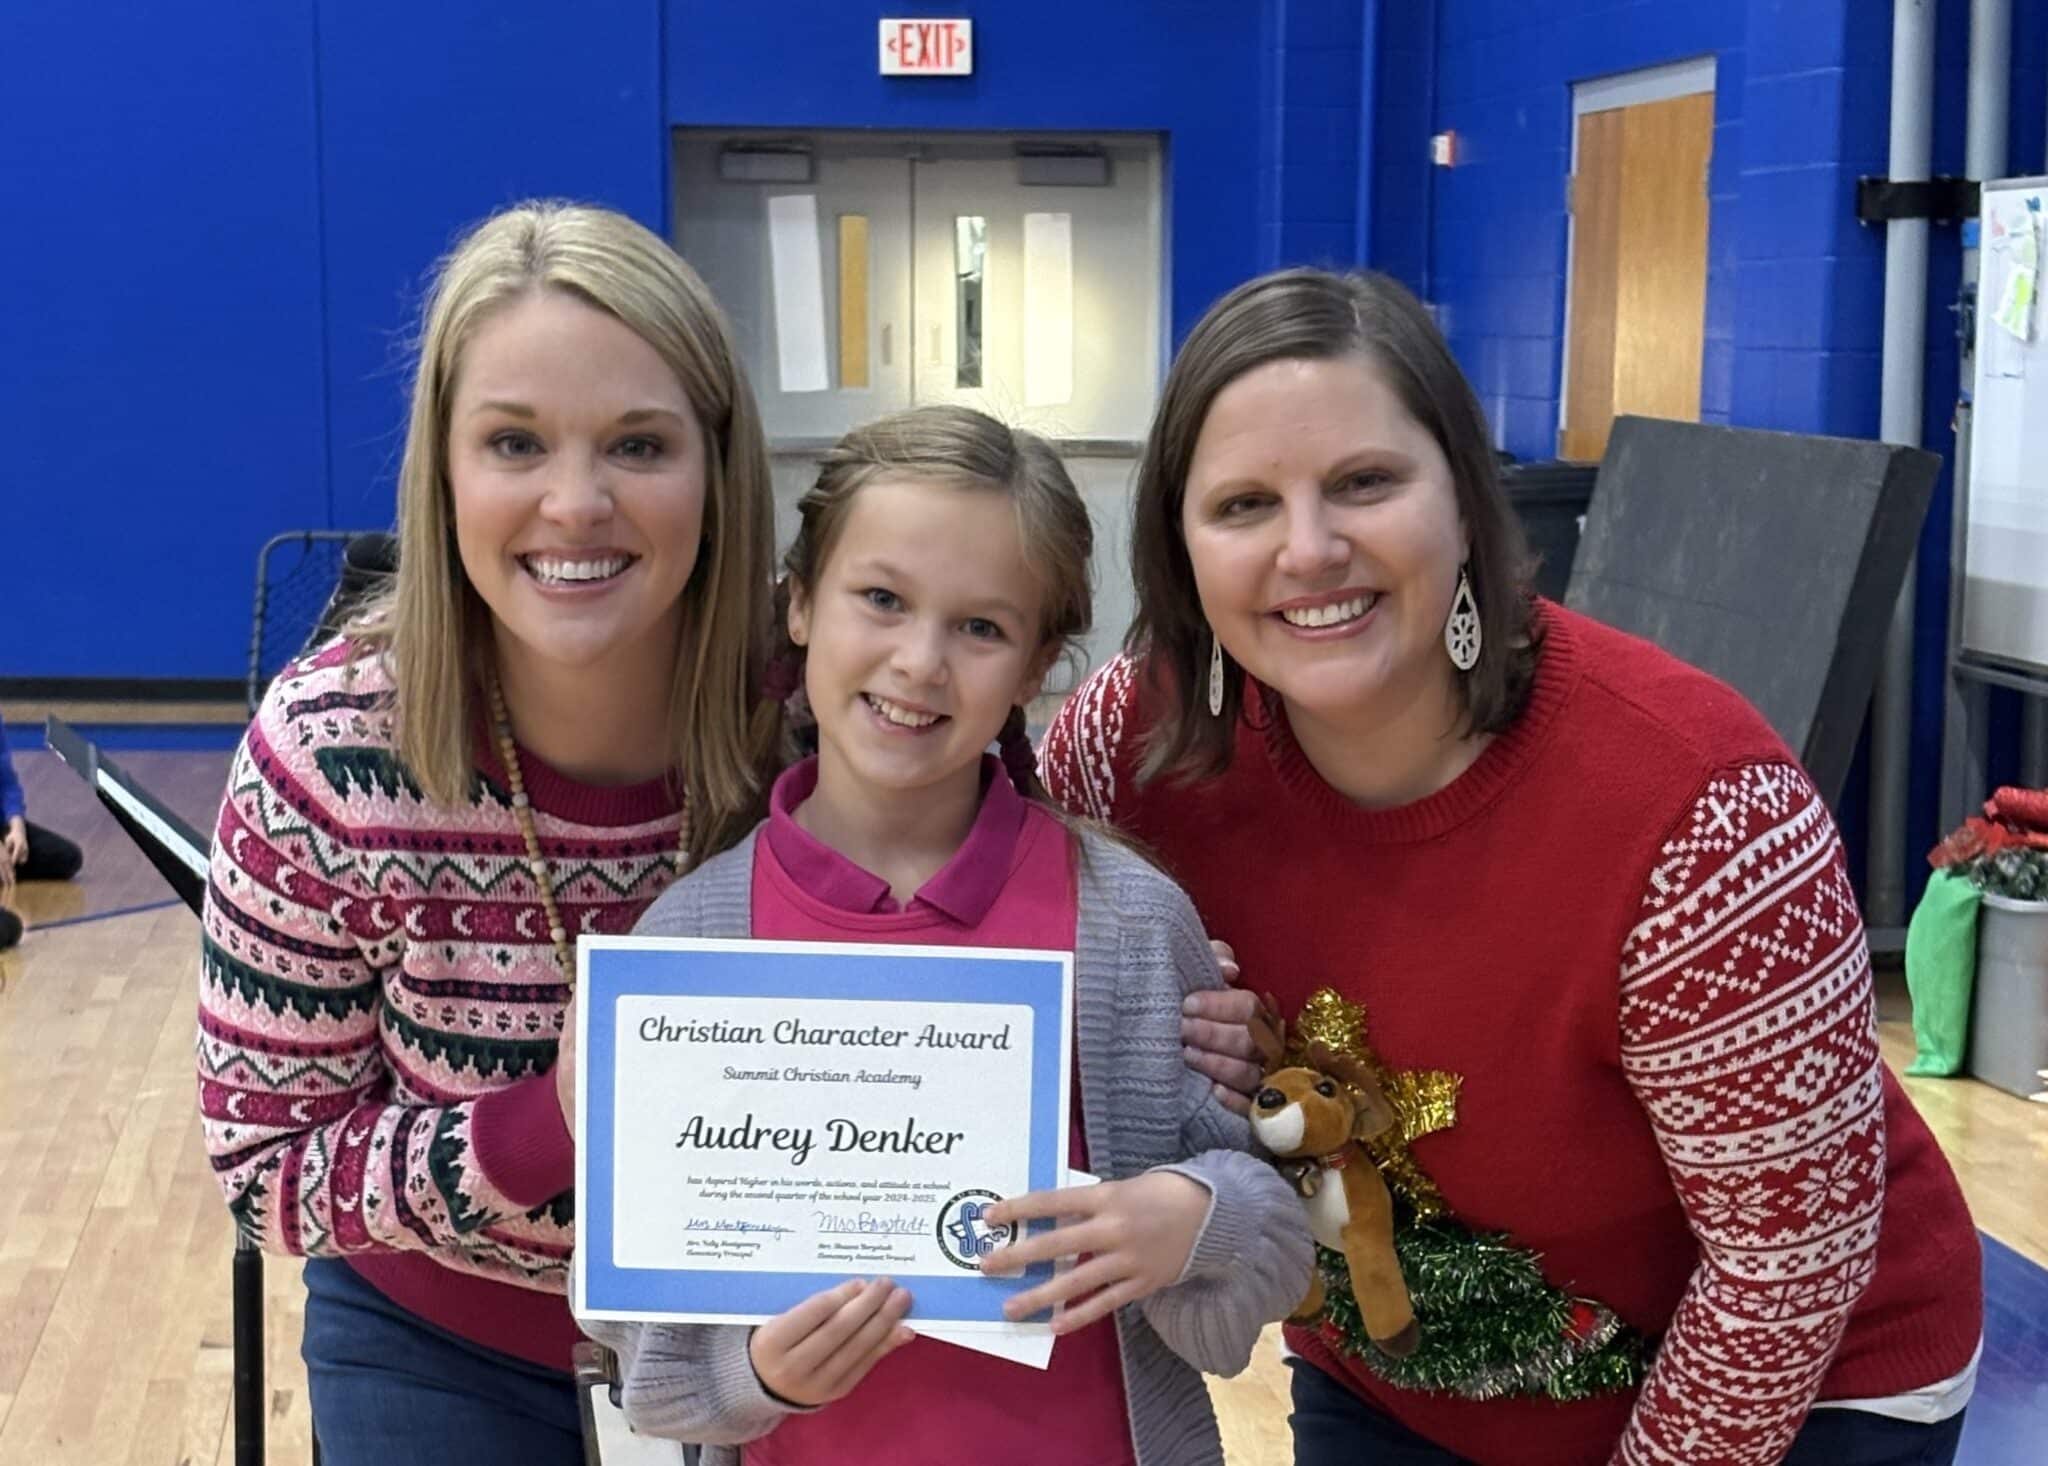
point(1941, 965)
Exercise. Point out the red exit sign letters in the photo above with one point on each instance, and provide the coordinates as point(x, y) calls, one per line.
point(927, 48)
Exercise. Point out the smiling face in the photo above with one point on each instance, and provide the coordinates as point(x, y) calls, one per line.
point(1322, 526)
point(924, 629)
point(577, 471)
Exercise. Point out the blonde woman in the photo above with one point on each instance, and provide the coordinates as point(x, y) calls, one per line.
point(554, 712)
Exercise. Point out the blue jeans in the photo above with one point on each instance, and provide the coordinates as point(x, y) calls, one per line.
point(1333, 1427)
point(387, 1386)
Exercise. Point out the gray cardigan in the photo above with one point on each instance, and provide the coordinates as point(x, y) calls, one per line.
point(1138, 949)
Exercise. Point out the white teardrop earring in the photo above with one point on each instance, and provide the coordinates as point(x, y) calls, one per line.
point(1215, 676)
point(1462, 637)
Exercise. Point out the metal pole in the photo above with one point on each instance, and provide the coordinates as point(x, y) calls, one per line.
point(1990, 111)
point(251, 1408)
point(1904, 380)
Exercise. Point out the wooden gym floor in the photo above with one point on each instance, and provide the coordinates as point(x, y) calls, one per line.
point(115, 1247)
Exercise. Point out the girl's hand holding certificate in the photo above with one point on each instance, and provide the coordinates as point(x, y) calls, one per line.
point(1136, 1237)
point(819, 1350)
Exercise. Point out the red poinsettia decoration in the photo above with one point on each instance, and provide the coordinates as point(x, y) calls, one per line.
point(2013, 819)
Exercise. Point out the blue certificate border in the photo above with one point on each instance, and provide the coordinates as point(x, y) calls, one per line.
point(611, 968)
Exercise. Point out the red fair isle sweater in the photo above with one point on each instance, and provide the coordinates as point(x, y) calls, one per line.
point(1629, 928)
point(379, 1005)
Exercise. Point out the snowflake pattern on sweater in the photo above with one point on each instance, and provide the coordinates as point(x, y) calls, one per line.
point(1749, 1035)
point(379, 998)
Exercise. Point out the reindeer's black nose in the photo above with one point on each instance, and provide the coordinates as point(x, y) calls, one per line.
point(1270, 1098)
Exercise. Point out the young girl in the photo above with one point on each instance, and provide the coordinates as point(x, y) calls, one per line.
point(941, 566)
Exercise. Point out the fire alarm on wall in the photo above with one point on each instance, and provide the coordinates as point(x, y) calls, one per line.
point(1443, 149)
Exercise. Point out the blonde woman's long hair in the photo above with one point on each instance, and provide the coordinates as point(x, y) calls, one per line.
point(435, 631)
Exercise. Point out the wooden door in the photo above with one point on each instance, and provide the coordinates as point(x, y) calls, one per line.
point(1639, 267)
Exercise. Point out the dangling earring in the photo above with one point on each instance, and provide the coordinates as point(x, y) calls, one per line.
point(1462, 637)
point(1215, 676)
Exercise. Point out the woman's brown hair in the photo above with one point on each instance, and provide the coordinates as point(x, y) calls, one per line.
point(1313, 315)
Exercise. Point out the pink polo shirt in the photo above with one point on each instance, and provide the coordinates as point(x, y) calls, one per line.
point(1010, 884)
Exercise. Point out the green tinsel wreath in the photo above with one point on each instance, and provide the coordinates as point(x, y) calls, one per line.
point(1491, 1324)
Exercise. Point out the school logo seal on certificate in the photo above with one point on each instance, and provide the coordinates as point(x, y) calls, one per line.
point(965, 1234)
point(757, 1121)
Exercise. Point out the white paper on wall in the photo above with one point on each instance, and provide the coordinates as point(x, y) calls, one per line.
point(798, 274)
point(2008, 286)
point(1048, 309)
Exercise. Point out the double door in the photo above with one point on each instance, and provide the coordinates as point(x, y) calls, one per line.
point(866, 273)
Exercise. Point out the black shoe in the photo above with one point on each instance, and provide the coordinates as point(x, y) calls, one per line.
point(10, 928)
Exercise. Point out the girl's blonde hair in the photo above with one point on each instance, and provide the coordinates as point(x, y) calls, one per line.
point(957, 445)
point(433, 628)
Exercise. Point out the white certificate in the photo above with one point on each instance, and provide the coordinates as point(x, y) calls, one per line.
point(757, 1121)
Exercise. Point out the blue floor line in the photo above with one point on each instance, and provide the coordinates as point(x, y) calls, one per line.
point(50, 926)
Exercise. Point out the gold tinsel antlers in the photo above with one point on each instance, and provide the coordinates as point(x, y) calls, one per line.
point(1423, 1100)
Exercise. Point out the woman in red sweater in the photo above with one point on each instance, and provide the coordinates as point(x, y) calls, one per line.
point(1657, 1198)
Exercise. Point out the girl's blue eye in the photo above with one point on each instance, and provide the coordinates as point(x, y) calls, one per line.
point(513, 444)
point(983, 629)
point(642, 449)
point(881, 600)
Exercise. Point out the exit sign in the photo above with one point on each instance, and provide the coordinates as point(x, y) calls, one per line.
point(927, 48)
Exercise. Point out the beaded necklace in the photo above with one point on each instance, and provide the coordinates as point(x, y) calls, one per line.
point(522, 811)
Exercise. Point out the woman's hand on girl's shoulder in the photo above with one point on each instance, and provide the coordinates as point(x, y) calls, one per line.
point(1217, 1037)
point(819, 1350)
point(1136, 1235)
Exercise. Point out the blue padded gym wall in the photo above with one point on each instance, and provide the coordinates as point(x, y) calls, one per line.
point(212, 300)
point(161, 380)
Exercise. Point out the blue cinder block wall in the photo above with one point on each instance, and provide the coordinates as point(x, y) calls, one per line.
point(1794, 309)
point(1317, 82)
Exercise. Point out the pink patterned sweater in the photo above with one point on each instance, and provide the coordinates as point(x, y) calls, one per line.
point(1629, 928)
point(379, 1005)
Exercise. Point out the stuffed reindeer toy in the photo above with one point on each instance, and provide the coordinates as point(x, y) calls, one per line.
point(1315, 1121)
